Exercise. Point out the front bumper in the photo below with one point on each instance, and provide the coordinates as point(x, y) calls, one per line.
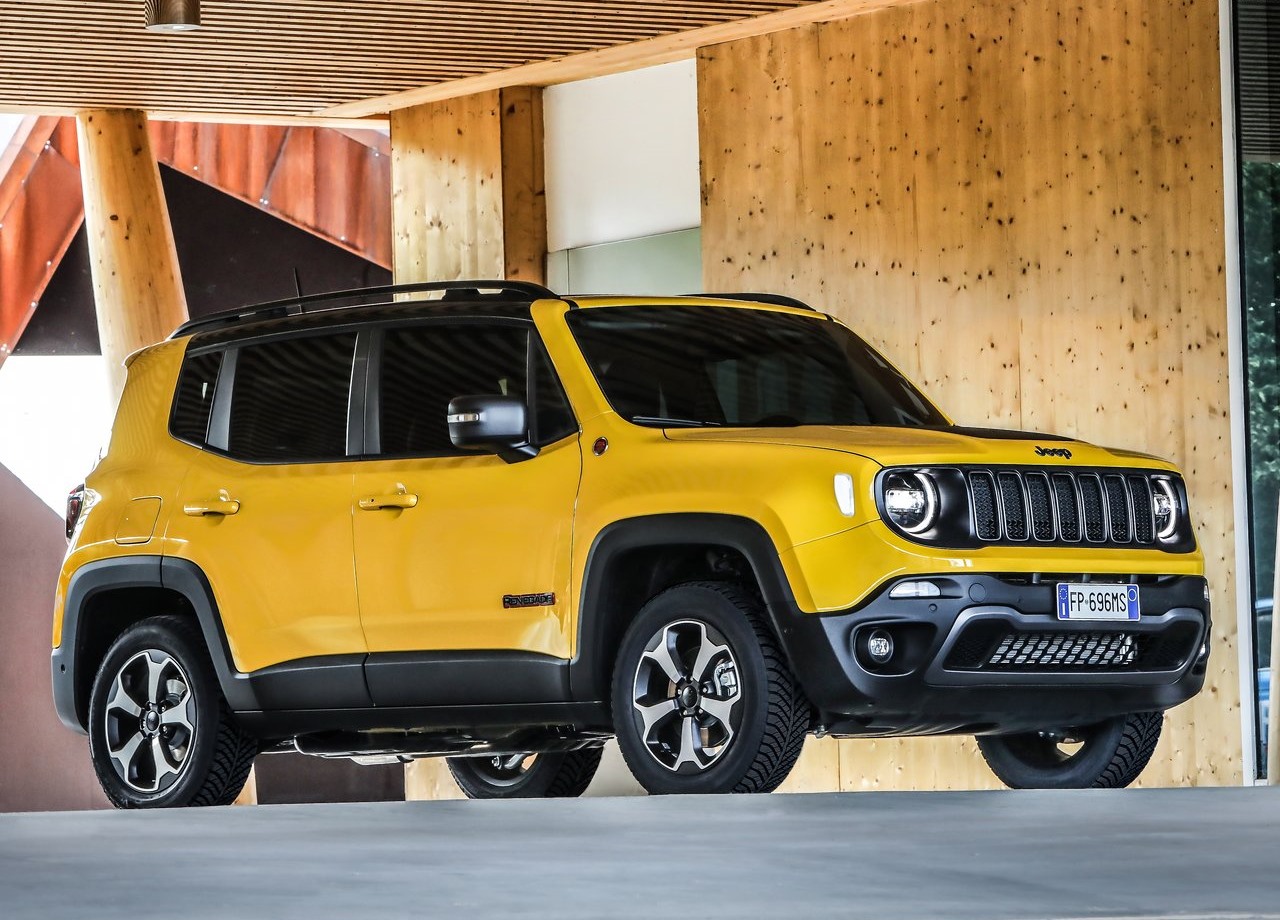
point(990, 656)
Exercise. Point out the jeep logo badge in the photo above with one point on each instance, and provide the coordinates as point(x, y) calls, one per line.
point(1053, 452)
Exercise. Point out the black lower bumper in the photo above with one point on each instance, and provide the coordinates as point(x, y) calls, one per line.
point(990, 656)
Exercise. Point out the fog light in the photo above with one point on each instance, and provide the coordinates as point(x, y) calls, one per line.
point(915, 589)
point(880, 646)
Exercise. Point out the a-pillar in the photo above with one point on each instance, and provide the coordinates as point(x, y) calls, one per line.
point(467, 202)
point(137, 285)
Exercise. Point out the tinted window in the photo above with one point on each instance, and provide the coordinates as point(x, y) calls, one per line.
point(289, 401)
point(739, 367)
point(424, 367)
point(194, 397)
point(553, 419)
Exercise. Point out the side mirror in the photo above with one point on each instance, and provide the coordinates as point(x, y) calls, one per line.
point(499, 423)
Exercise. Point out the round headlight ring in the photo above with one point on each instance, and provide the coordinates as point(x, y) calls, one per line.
point(1165, 487)
point(923, 483)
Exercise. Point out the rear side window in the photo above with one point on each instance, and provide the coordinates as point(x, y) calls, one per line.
point(194, 398)
point(289, 400)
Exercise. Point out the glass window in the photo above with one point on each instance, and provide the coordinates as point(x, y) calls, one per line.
point(552, 417)
point(425, 367)
point(695, 366)
point(193, 400)
point(1258, 81)
point(289, 400)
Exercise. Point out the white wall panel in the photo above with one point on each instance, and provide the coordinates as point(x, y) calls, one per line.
point(622, 156)
point(55, 417)
point(8, 127)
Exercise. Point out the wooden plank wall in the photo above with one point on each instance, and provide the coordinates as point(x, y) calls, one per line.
point(1021, 203)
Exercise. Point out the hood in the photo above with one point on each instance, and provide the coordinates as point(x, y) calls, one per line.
point(931, 446)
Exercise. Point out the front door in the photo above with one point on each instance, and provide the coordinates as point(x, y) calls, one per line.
point(462, 559)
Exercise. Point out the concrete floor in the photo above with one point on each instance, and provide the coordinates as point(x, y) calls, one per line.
point(1185, 853)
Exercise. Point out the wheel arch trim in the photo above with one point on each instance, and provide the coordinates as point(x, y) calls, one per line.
point(179, 575)
point(589, 672)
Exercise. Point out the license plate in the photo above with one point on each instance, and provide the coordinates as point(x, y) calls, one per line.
point(1098, 602)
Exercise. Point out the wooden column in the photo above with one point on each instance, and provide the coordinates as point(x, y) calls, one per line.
point(467, 197)
point(467, 201)
point(136, 282)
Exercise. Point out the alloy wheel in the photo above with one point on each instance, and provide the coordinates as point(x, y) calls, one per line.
point(150, 721)
point(686, 696)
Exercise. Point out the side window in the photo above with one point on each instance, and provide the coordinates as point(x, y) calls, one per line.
point(424, 367)
point(553, 419)
point(193, 400)
point(289, 400)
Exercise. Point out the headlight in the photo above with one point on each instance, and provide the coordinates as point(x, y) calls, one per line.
point(1164, 507)
point(911, 501)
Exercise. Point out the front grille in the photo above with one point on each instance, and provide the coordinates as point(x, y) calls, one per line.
point(995, 645)
point(982, 498)
point(1055, 506)
point(1063, 651)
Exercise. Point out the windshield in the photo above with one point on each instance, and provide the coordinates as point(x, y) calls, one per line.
point(699, 366)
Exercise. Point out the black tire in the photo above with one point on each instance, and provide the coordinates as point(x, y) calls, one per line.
point(1110, 755)
point(763, 715)
point(206, 756)
point(554, 776)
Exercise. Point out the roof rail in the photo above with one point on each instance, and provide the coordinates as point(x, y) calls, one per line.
point(292, 306)
point(778, 300)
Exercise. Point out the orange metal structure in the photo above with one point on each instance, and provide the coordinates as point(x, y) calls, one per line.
point(334, 184)
point(40, 211)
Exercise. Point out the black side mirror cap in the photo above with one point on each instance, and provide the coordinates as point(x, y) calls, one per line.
point(498, 423)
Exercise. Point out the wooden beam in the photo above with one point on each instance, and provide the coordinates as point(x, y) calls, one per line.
point(664, 49)
point(136, 281)
point(371, 123)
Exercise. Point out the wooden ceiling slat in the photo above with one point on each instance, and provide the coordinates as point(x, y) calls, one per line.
point(309, 58)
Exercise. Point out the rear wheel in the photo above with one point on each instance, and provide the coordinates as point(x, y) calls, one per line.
point(703, 698)
point(160, 733)
point(1109, 755)
point(522, 776)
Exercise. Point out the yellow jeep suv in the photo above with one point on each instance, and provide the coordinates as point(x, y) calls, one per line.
point(482, 521)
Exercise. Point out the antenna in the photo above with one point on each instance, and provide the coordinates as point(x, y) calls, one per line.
point(297, 282)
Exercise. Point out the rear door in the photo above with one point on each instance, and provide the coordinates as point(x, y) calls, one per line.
point(265, 508)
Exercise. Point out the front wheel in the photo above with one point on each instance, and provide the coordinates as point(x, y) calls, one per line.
point(1109, 755)
point(524, 776)
point(160, 733)
point(703, 698)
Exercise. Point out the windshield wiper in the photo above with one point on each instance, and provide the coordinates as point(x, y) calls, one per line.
point(672, 422)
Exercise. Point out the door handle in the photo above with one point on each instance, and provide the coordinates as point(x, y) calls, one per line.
point(222, 505)
point(393, 500)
